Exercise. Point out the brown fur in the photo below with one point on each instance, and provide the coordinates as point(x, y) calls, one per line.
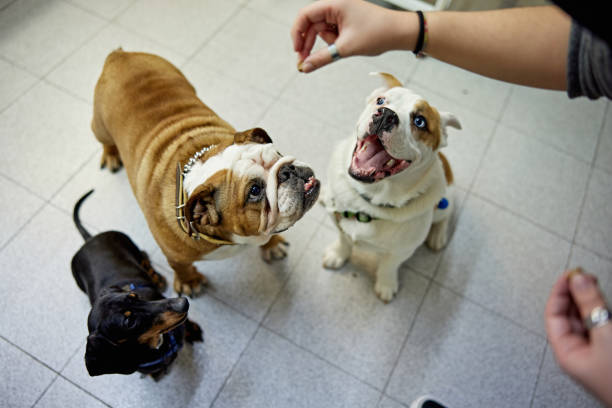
point(147, 115)
point(448, 173)
point(166, 321)
point(430, 136)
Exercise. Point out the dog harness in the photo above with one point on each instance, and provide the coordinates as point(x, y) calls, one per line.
point(181, 198)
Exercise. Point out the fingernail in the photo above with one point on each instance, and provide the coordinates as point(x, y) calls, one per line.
point(581, 282)
point(307, 67)
point(574, 272)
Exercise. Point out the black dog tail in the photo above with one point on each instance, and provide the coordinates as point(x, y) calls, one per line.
point(75, 216)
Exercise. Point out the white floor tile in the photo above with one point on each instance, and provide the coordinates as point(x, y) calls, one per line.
point(235, 101)
point(196, 375)
point(263, 57)
point(18, 205)
point(472, 91)
point(45, 138)
point(183, 25)
point(337, 315)
point(503, 262)
point(603, 159)
point(275, 373)
point(571, 125)
point(112, 206)
point(22, 379)
point(283, 11)
point(593, 264)
point(80, 72)
point(38, 35)
point(14, 82)
point(557, 389)
point(534, 180)
point(65, 394)
point(466, 356)
point(595, 229)
point(43, 310)
point(108, 9)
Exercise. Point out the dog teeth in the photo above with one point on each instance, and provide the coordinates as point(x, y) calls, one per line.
point(390, 163)
point(363, 148)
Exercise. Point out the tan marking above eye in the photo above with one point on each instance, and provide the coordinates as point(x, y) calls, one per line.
point(132, 295)
point(127, 313)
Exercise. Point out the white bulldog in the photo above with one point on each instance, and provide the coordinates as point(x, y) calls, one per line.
point(387, 188)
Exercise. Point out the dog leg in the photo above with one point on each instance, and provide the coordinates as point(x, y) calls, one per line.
point(187, 279)
point(110, 154)
point(155, 276)
point(338, 253)
point(274, 249)
point(438, 235)
point(387, 282)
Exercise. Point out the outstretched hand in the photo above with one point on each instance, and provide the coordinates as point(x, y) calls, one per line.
point(586, 355)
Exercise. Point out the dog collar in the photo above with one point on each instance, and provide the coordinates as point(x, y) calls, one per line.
point(174, 348)
point(359, 216)
point(181, 198)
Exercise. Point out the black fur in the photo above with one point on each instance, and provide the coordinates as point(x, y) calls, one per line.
point(104, 268)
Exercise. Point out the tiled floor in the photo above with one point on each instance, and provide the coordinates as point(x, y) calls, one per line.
point(533, 185)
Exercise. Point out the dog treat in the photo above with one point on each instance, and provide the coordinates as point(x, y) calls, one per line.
point(574, 272)
point(299, 66)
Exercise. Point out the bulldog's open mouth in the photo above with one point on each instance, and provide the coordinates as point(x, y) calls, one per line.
point(371, 162)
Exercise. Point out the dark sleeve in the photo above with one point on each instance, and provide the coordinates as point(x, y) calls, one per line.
point(589, 65)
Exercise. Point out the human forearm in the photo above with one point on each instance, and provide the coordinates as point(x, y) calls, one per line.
point(527, 46)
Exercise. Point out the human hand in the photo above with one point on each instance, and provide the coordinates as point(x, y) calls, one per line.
point(355, 26)
point(586, 355)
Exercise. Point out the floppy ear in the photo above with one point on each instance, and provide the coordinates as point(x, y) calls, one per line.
point(200, 208)
point(103, 357)
point(448, 119)
point(390, 80)
point(255, 135)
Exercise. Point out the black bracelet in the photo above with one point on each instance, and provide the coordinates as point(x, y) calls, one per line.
point(421, 39)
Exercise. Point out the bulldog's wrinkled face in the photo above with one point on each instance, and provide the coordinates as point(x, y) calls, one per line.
point(249, 191)
point(397, 130)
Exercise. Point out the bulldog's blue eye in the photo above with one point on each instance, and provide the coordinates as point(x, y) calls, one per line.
point(380, 101)
point(420, 122)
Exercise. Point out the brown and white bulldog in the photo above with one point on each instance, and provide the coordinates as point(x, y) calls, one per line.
point(205, 189)
point(387, 189)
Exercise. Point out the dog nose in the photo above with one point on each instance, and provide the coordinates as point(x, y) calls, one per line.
point(383, 120)
point(285, 172)
point(179, 305)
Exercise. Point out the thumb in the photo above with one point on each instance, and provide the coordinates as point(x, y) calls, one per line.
point(316, 60)
point(586, 293)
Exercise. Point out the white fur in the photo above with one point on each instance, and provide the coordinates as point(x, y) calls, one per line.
point(413, 194)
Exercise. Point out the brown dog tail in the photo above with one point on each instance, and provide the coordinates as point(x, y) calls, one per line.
point(75, 216)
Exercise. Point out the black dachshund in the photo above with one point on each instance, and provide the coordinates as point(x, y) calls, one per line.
point(132, 327)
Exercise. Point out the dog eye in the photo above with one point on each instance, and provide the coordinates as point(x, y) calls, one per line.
point(129, 322)
point(255, 193)
point(380, 101)
point(420, 122)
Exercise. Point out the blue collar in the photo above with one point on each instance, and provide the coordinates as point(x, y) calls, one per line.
point(174, 348)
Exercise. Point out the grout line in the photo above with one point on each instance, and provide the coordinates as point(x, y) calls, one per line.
point(22, 227)
point(591, 171)
point(535, 386)
point(7, 5)
point(260, 323)
point(405, 341)
point(96, 14)
point(45, 390)
point(85, 390)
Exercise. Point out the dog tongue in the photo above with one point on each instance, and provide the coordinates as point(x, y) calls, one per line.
point(370, 154)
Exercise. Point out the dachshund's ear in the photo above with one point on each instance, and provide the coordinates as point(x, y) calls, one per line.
point(255, 135)
point(104, 357)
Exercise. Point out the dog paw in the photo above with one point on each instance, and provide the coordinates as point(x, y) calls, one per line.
point(111, 159)
point(191, 286)
point(335, 256)
point(385, 291)
point(193, 332)
point(438, 236)
point(275, 249)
